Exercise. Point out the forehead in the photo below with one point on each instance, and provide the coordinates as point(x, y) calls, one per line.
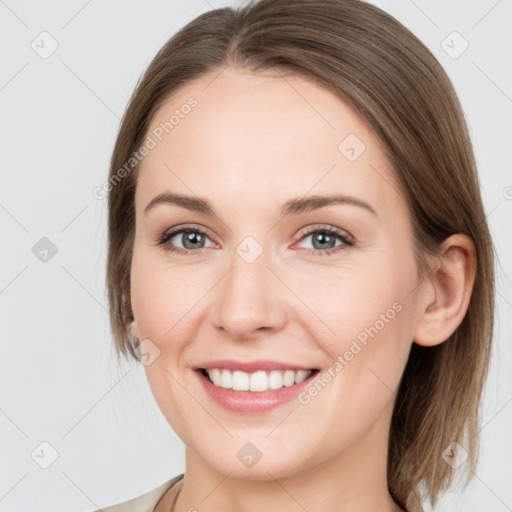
point(264, 136)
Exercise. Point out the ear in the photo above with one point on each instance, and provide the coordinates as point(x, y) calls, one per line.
point(445, 293)
point(134, 330)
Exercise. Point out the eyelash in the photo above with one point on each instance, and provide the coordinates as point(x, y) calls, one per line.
point(326, 230)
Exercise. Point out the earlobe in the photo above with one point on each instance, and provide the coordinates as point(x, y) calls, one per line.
point(133, 329)
point(445, 295)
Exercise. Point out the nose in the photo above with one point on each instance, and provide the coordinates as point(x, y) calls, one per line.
point(248, 301)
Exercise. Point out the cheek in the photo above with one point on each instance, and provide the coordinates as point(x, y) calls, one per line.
point(368, 349)
point(341, 302)
point(159, 294)
point(362, 315)
point(148, 296)
point(167, 304)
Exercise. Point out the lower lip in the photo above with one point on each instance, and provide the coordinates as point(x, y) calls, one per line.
point(252, 402)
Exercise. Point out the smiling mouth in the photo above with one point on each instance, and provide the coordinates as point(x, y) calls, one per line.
point(256, 381)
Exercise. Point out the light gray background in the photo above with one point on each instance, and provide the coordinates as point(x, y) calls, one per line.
point(59, 382)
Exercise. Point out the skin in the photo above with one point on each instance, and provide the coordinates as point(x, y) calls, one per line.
point(253, 142)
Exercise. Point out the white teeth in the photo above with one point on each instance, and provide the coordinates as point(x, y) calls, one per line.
point(226, 379)
point(257, 381)
point(275, 380)
point(289, 378)
point(240, 381)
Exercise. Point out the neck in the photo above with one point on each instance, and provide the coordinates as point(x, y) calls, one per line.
point(354, 480)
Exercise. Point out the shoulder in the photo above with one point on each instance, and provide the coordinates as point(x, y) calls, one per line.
point(145, 502)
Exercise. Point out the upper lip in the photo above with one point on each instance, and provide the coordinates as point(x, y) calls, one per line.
point(250, 366)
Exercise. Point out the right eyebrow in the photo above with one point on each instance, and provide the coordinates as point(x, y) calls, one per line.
point(197, 204)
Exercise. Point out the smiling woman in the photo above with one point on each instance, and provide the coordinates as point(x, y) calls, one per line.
point(297, 262)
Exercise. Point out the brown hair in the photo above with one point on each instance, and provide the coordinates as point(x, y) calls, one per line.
point(376, 65)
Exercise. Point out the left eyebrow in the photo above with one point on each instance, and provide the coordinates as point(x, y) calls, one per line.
point(291, 207)
point(309, 203)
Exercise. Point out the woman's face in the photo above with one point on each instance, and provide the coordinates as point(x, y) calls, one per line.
point(257, 285)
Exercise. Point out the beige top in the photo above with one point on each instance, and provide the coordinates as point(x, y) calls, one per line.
point(164, 496)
